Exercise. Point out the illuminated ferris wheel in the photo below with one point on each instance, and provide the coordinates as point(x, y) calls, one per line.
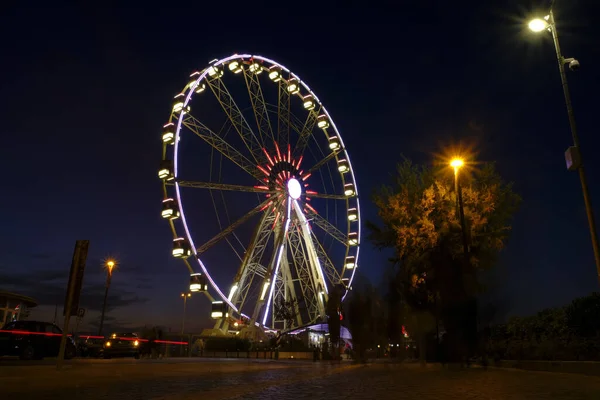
point(260, 194)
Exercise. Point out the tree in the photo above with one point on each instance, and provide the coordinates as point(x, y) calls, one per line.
point(366, 320)
point(583, 316)
point(333, 316)
point(420, 222)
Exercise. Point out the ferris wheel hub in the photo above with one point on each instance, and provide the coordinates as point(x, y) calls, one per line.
point(294, 188)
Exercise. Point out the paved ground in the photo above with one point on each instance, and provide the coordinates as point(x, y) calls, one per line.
point(242, 379)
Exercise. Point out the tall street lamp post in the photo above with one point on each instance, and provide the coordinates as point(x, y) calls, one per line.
point(457, 164)
point(468, 303)
point(109, 268)
point(572, 155)
point(185, 297)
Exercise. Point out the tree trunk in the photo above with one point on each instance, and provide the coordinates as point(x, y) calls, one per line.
point(422, 349)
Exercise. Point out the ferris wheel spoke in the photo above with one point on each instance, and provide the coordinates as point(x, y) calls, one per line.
point(305, 134)
point(259, 106)
point(323, 161)
point(220, 145)
point(330, 271)
point(327, 196)
point(223, 186)
point(231, 109)
point(228, 230)
point(283, 116)
point(328, 228)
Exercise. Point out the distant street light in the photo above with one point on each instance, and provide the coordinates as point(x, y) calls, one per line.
point(185, 297)
point(572, 155)
point(110, 265)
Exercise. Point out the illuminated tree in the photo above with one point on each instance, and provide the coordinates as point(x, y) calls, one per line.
point(420, 222)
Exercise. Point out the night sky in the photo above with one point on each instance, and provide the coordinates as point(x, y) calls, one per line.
point(85, 91)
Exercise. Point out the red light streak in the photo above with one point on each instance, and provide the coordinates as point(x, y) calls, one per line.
point(129, 339)
point(305, 177)
point(17, 332)
point(261, 187)
point(311, 192)
point(300, 161)
point(289, 152)
point(170, 342)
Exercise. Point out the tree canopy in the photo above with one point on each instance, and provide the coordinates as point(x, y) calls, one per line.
point(419, 214)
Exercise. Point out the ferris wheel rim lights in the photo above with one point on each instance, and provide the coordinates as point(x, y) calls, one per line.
point(215, 70)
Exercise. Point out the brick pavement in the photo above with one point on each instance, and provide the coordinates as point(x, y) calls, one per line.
point(244, 380)
point(434, 383)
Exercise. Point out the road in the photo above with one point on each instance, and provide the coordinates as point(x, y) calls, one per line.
point(187, 379)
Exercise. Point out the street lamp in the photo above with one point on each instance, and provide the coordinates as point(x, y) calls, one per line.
point(572, 155)
point(457, 164)
point(110, 265)
point(185, 297)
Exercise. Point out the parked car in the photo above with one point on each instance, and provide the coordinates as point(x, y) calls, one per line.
point(33, 340)
point(122, 345)
point(91, 346)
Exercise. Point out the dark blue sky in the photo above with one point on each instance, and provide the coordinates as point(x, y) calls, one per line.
point(86, 89)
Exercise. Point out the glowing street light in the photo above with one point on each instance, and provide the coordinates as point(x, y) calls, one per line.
point(537, 25)
point(573, 157)
point(110, 265)
point(457, 163)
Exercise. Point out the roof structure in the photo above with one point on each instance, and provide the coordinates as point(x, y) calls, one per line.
point(29, 302)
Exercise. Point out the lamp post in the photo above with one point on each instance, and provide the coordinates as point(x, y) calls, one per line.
point(466, 279)
point(457, 164)
point(109, 268)
point(572, 155)
point(185, 297)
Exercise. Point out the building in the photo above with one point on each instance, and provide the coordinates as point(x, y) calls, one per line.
point(315, 335)
point(14, 307)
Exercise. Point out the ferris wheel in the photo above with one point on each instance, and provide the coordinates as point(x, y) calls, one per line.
point(260, 195)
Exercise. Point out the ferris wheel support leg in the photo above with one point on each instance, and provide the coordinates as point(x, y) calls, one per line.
point(250, 266)
point(289, 292)
point(313, 259)
point(307, 284)
point(270, 277)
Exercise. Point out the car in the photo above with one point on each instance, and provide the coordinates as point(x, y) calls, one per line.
point(34, 340)
point(122, 345)
point(90, 346)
